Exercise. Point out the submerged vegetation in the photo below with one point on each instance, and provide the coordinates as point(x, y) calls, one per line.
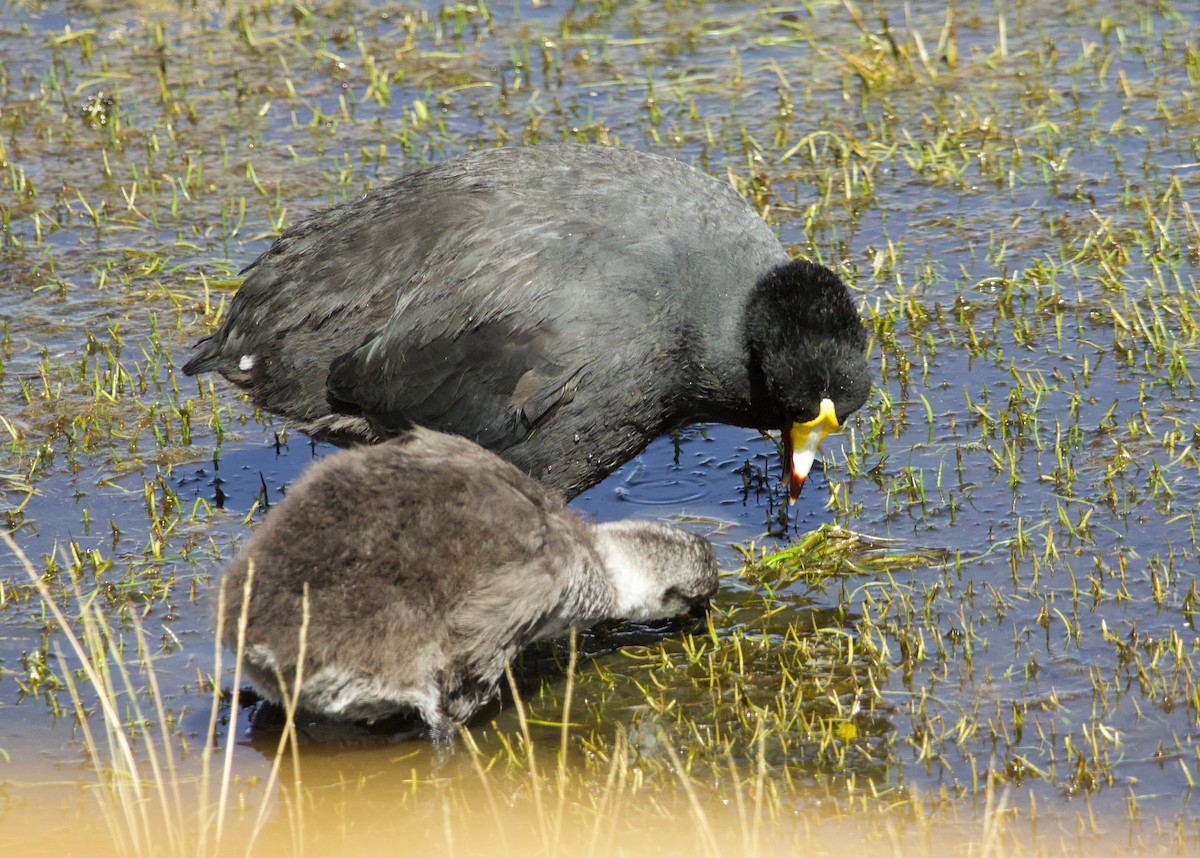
point(977, 633)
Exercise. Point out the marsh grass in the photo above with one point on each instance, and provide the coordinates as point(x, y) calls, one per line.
point(672, 773)
point(1009, 188)
point(151, 805)
point(834, 550)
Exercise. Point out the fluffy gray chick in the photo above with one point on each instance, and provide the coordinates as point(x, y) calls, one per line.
point(430, 563)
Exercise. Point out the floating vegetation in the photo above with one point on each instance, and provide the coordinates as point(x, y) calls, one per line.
point(834, 550)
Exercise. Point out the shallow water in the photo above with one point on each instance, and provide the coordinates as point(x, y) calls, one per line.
point(1021, 230)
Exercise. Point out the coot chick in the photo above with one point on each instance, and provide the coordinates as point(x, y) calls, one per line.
point(430, 563)
point(562, 305)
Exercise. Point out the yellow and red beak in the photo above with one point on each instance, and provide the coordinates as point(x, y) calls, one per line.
point(800, 444)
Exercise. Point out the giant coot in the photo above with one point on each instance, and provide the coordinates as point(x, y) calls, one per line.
point(562, 305)
point(430, 563)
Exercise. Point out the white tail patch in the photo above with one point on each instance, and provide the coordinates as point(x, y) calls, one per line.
point(246, 363)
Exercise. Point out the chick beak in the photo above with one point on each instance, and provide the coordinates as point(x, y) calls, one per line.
point(800, 445)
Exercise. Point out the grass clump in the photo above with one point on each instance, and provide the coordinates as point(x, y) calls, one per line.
point(832, 550)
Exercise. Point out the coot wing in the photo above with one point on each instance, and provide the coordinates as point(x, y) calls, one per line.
point(500, 323)
point(493, 380)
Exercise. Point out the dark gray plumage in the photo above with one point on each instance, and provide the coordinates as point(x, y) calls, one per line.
point(430, 563)
point(561, 305)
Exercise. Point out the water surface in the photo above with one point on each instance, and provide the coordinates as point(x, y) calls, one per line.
point(1019, 224)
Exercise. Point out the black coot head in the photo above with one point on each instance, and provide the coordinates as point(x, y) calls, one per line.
point(807, 343)
point(807, 358)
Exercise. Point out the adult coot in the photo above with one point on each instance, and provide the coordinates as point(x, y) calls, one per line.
point(561, 305)
point(429, 564)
